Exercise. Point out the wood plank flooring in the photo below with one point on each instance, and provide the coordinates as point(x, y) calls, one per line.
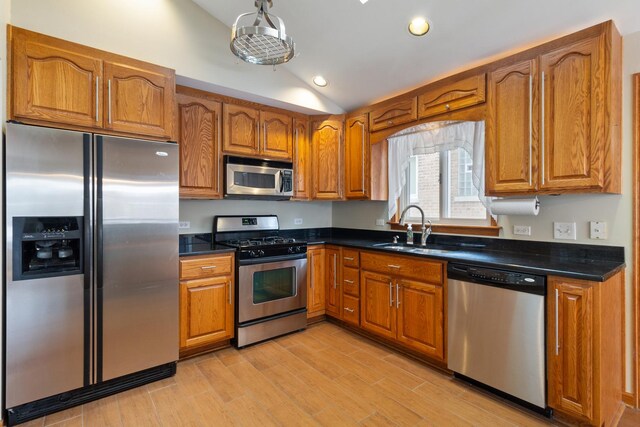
point(324, 376)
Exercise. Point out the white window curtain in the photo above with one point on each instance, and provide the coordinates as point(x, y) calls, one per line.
point(430, 138)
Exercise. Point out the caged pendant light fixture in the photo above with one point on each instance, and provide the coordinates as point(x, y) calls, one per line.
point(263, 42)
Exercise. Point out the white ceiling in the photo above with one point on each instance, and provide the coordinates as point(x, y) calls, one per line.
point(367, 55)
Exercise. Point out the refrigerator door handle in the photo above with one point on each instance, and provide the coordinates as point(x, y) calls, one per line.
point(89, 349)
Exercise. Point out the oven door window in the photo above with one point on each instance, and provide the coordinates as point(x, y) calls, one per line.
point(273, 285)
point(254, 180)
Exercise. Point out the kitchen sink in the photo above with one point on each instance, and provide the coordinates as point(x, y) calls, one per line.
point(412, 249)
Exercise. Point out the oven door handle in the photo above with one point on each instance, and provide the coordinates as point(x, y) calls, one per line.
point(272, 259)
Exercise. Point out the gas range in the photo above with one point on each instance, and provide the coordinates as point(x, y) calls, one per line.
point(254, 238)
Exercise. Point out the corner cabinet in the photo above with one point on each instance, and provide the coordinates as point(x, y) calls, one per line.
point(301, 160)
point(584, 342)
point(198, 131)
point(357, 157)
point(257, 133)
point(315, 281)
point(206, 301)
point(554, 120)
point(327, 154)
point(59, 83)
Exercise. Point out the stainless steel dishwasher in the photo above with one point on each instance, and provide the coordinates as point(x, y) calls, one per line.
point(496, 331)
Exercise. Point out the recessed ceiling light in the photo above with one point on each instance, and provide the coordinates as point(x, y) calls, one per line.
point(419, 26)
point(320, 81)
point(363, 1)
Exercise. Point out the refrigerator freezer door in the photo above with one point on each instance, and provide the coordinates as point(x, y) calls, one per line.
point(137, 255)
point(45, 318)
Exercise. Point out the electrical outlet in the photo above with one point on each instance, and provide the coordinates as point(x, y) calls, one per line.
point(380, 222)
point(598, 230)
point(522, 230)
point(183, 225)
point(297, 221)
point(564, 230)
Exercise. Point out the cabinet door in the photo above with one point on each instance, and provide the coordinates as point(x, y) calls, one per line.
point(240, 134)
point(198, 130)
point(206, 311)
point(301, 160)
point(139, 100)
point(420, 309)
point(315, 282)
point(452, 96)
point(573, 122)
point(327, 160)
point(332, 282)
point(54, 81)
point(357, 169)
point(395, 114)
point(512, 129)
point(277, 138)
point(570, 336)
point(377, 306)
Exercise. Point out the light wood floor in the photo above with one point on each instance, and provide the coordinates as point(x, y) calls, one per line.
point(322, 376)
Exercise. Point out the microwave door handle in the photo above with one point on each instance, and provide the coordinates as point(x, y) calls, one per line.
point(281, 177)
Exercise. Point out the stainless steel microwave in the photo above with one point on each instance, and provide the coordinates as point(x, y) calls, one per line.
point(246, 178)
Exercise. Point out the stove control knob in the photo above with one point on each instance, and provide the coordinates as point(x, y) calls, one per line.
point(253, 254)
point(260, 252)
point(291, 249)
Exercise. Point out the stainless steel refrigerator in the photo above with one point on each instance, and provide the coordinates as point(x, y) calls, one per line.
point(91, 284)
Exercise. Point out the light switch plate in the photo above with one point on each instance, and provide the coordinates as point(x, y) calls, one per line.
point(183, 225)
point(564, 230)
point(597, 230)
point(297, 221)
point(522, 230)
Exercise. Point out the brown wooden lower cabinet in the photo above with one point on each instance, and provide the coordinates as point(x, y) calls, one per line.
point(584, 349)
point(315, 281)
point(206, 301)
point(333, 304)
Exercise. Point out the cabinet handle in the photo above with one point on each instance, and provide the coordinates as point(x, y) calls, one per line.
point(348, 258)
point(109, 94)
point(335, 269)
point(390, 294)
point(350, 310)
point(229, 285)
point(209, 267)
point(557, 335)
point(97, 98)
point(348, 281)
point(393, 266)
point(397, 295)
point(530, 126)
point(542, 125)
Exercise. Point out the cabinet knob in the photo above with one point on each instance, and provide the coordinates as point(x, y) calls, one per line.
point(389, 122)
point(447, 106)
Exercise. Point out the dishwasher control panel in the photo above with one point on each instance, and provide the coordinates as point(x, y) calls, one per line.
point(500, 278)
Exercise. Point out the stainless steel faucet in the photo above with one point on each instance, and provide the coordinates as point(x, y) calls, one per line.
point(425, 232)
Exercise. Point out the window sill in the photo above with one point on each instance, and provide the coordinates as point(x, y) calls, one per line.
point(474, 230)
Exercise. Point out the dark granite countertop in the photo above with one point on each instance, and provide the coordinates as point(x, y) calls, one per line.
point(586, 262)
point(199, 244)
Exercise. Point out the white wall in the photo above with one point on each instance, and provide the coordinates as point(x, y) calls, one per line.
point(201, 212)
point(174, 33)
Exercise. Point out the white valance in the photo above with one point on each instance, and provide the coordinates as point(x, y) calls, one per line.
point(430, 138)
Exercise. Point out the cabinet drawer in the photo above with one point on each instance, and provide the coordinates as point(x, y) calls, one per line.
point(351, 310)
point(351, 281)
point(350, 258)
point(453, 96)
point(205, 266)
point(410, 267)
point(392, 115)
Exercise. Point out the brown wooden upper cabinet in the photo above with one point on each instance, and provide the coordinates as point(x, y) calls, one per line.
point(301, 160)
point(394, 114)
point(439, 99)
point(554, 120)
point(357, 155)
point(255, 133)
point(198, 131)
point(327, 159)
point(59, 83)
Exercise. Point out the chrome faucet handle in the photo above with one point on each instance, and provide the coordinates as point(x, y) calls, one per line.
point(426, 232)
point(395, 239)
